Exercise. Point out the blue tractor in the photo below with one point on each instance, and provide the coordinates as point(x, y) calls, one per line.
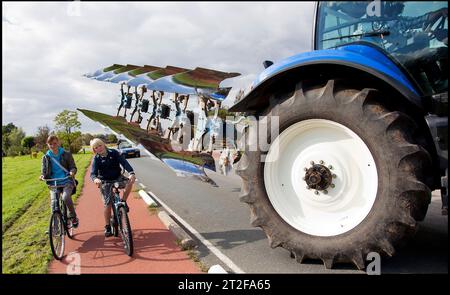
point(362, 142)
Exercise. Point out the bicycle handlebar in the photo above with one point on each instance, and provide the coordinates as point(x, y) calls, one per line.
point(111, 181)
point(55, 179)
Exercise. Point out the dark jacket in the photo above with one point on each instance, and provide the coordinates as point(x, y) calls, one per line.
point(67, 162)
point(108, 168)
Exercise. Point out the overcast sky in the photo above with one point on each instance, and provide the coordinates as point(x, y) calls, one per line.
point(47, 47)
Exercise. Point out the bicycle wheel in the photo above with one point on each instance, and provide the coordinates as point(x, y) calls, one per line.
point(56, 235)
point(125, 231)
point(67, 222)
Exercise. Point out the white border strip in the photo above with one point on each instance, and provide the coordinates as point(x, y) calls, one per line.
point(204, 241)
point(147, 199)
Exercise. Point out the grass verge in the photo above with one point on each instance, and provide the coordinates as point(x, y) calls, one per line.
point(25, 246)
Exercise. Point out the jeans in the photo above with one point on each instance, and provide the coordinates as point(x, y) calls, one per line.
point(67, 197)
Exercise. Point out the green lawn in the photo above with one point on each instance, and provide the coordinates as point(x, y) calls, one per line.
point(20, 186)
point(26, 212)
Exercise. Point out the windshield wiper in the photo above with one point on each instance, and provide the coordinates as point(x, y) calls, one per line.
point(368, 34)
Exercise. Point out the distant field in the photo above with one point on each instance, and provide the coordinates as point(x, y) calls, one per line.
point(26, 211)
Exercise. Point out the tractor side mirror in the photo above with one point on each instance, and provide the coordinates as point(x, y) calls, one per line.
point(267, 63)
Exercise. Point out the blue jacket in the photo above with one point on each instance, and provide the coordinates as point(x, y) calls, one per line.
point(67, 162)
point(108, 168)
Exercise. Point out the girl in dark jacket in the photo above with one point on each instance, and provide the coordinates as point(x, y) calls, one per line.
point(106, 166)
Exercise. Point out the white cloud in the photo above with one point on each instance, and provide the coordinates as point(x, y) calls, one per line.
point(46, 51)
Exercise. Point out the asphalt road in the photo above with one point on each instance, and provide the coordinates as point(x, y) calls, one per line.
point(218, 215)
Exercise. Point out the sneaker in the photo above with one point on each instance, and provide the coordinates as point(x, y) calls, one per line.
point(108, 232)
point(75, 222)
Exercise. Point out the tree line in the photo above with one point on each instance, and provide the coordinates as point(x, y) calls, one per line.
point(15, 142)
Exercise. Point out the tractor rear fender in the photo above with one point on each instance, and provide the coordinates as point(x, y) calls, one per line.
point(354, 61)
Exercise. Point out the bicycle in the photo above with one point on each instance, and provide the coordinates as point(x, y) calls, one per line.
point(60, 224)
point(119, 221)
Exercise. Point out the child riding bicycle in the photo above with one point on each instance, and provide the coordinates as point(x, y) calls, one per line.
point(58, 163)
point(106, 166)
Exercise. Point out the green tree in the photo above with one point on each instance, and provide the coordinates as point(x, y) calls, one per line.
point(71, 142)
point(77, 144)
point(111, 138)
point(15, 142)
point(41, 136)
point(87, 137)
point(14, 150)
point(6, 130)
point(101, 136)
point(28, 142)
point(5, 143)
point(66, 123)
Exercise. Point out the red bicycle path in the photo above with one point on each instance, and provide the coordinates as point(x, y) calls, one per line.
point(155, 250)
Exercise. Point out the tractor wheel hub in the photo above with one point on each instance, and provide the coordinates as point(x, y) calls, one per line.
point(318, 177)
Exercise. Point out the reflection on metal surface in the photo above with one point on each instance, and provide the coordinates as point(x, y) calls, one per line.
point(103, 71)
point(185, 163)
point(202, 78)
point(183, 125)
point(184, 168)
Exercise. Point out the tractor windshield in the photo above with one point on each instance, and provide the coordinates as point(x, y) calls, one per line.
point(415, 34)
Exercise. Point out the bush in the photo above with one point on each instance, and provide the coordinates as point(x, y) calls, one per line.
point(26, 151)
point(14, 151)
point(28, 142)
point(76, 146)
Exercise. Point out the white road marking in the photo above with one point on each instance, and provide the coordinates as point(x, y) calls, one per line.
point(216, 269)
point(208, 244)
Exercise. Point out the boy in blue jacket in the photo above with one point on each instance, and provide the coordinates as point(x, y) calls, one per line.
point(58, 163)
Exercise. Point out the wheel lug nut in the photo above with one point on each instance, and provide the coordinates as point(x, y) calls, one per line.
point(334, 175)
point(325, 192)
point(321, 162)
point(330, 167)
point(305, 169)
point(316, 192)
point(307, 187)
point(312, 163)
point(332, 185)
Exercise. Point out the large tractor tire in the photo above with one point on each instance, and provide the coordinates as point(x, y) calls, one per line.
point(344, 177)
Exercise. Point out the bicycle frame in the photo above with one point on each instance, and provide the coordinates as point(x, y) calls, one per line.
point(56, 187)
point(116, 220)
point(59, 212)
point(61, 204)
point(116, 203)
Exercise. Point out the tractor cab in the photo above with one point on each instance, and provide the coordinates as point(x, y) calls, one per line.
point(412, 34)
